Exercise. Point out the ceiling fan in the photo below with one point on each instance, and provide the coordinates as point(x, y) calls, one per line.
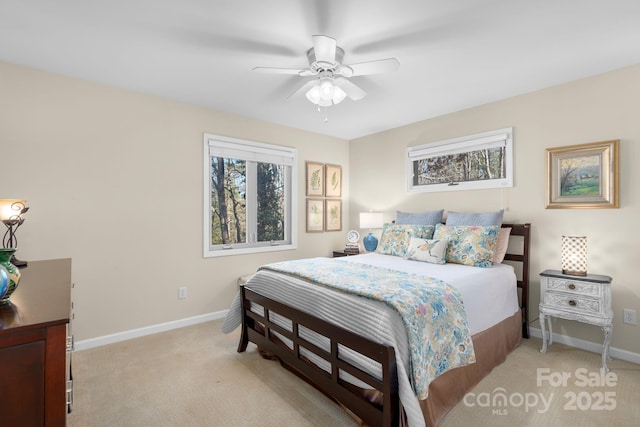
point(332, 85)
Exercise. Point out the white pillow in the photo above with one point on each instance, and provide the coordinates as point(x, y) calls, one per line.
point(423, 250)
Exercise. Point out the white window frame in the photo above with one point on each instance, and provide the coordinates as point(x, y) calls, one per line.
point(221, 146)
point(494, 138)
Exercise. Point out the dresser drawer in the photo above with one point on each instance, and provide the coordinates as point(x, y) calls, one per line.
point(574, 287)
point(574, 303)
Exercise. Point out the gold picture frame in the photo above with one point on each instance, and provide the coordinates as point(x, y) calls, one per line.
point(315, 179)
point(333, 215)
point(583, 176)
point(332, 180)
point(315, 215)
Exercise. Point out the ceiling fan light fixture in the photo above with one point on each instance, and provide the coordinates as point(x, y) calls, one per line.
point(325, 94)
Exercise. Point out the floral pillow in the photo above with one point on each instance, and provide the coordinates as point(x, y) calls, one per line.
point(432, 251)
point(395, 237)
point(469, 244)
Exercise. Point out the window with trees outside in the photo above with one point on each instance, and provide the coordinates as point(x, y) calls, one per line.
point(477, 161)
point(248, 196)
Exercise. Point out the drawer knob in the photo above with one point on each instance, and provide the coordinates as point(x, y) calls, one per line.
point(571, 286)
point(572, 303)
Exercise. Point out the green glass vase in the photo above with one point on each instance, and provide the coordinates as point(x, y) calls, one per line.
point(12, 270)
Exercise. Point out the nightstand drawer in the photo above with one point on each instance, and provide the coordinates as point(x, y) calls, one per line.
point(574, 303)
point(574, 286)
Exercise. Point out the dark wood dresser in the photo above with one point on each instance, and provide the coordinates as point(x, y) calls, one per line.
point(35, 348)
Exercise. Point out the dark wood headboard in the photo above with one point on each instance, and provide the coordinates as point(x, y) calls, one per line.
point(523, 230)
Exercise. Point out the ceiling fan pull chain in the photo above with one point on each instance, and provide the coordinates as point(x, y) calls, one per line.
point(326, 119)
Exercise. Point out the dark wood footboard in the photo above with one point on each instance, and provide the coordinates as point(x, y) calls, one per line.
point(260, 330)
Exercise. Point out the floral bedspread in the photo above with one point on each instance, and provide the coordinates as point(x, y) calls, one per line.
point(431, 310)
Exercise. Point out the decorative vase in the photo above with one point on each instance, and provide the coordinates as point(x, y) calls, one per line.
point(370, 242)
point(13, 273)
point(4, 281)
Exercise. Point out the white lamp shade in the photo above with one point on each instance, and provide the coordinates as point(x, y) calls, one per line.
point(11, 208)
point(326, 91)
point(371, 220)
point(313, 94)
point(338, 95)
point(574, 255)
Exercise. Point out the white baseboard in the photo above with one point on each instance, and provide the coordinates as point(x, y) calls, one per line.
point(616, 353)
point(162, 327)
point(147, 330)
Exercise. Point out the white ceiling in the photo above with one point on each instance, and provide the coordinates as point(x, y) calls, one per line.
point(454, 54)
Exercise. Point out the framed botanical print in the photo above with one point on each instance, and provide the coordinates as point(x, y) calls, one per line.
point(315, 215)
point(333, 180)
point(583, 176)
point(333, 215)
point(315, 179)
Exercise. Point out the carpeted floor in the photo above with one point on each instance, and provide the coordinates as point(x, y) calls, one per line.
point(194, 377)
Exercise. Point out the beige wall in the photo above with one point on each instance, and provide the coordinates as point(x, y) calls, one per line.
point(114, 181)
point(601, 108)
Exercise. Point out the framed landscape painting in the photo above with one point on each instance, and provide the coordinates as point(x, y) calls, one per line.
point(583, 176)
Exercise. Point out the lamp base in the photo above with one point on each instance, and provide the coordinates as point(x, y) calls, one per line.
point(574, 273)
point(370, 242)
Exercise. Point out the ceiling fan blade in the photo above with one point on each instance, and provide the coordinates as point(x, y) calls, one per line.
point(324, 48)
point(379, 66)
point(352, 91)
point(303, 89)
point(281, 71)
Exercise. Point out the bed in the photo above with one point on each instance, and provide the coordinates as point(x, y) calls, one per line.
point(355, 350)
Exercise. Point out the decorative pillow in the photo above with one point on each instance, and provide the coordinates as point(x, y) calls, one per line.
point(395, 237)
point(425, 218)
point(486, 218)
point(469, 244)
point(501, 245)
point(431, 251)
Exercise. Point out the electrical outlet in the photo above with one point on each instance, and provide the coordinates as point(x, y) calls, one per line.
point(182, 292)
point(629, 316)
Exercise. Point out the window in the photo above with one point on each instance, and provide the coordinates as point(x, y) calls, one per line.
point(483, 160)
point(248, 196)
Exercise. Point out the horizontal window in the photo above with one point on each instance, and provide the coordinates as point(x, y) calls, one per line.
point(472, 162)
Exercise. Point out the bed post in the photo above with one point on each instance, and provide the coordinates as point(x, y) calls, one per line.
point(244, 337)
point(523, 230)
point(525, 279)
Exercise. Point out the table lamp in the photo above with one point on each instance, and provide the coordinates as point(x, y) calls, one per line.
point(11, 212)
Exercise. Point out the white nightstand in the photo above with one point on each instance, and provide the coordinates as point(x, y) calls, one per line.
point(583, 298)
